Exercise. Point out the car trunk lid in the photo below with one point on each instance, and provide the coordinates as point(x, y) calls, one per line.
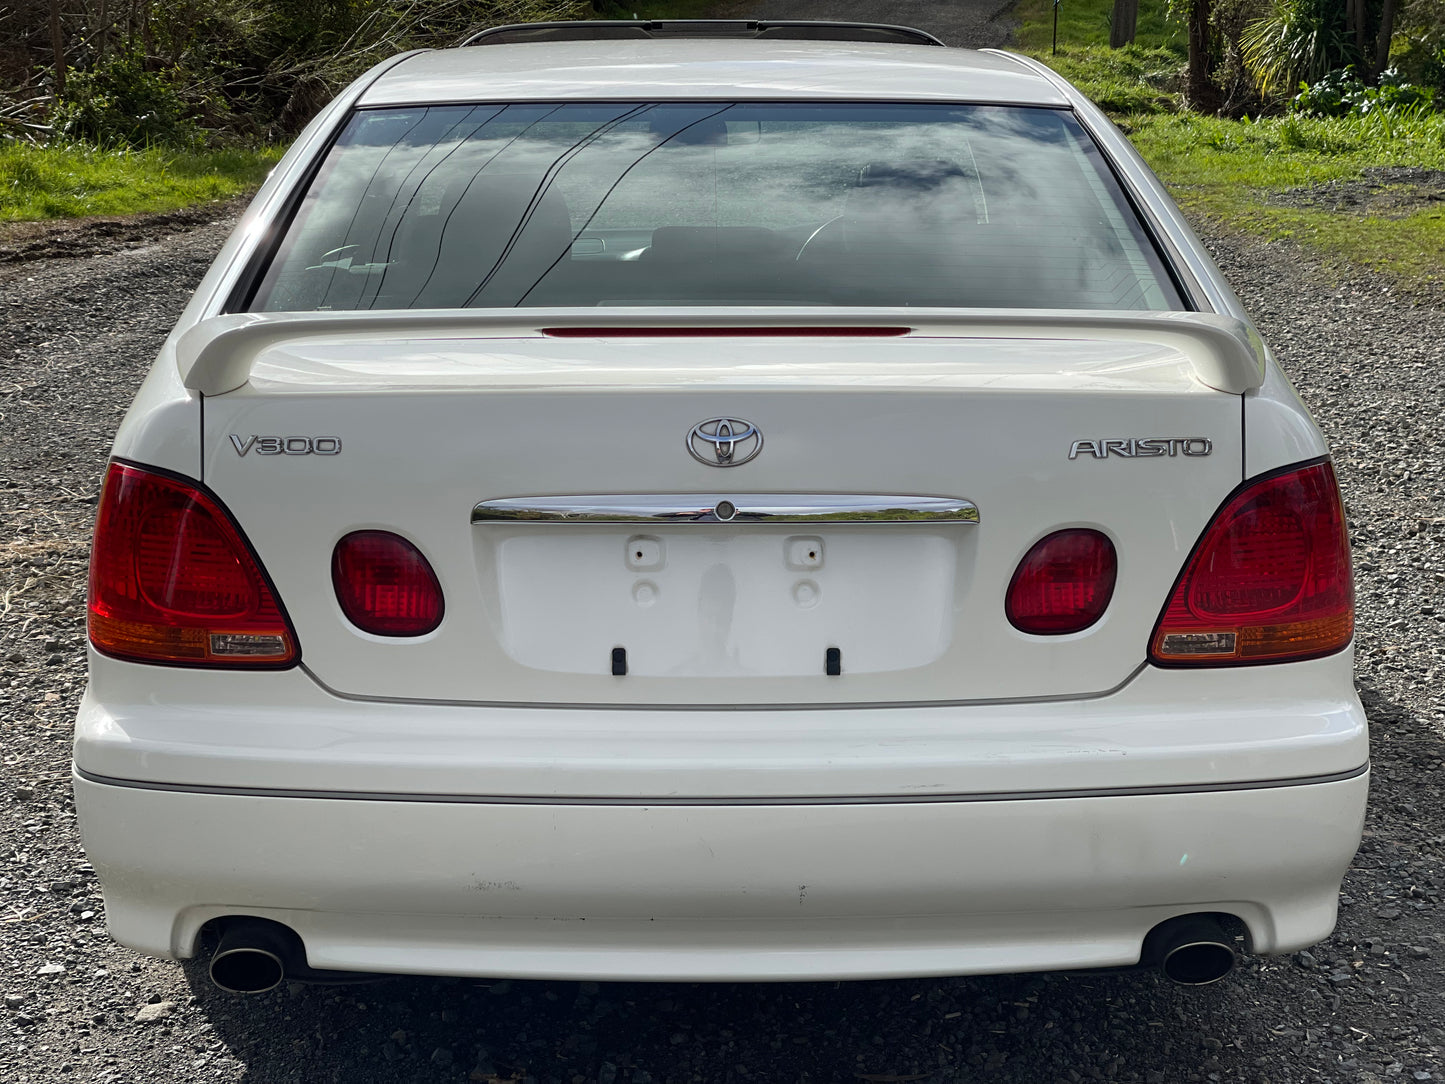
point(765, 583)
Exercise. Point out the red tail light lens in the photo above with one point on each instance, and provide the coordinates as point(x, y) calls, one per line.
point(1269, 581)
point(1063, 584)
point(173, 581)
point(385, 585)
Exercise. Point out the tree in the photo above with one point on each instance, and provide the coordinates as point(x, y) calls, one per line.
point(57, 46)
point(1124, 23)
point(1203, 94)
point(1355, 18)
point(1382, 39)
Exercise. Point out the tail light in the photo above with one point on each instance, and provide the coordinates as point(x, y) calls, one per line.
point(1268, 582)
point(384, 585)
point(1063, 584)
point(173, 581)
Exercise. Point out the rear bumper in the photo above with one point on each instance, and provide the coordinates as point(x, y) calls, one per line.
point(739, 843)
point(1164, 729)
point(726, 891)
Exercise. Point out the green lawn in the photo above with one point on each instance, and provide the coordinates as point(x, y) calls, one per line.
point(1086, 22)
point(70, 180)
point(1234, 171)
point(1229, 170)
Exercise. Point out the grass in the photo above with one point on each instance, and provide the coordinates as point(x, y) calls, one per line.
point(71, 180)
point(1122, 82)
point(1233, 172)
point(1229, 170)
point(1086, 22)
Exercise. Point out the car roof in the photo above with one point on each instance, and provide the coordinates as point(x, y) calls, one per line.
point(726, 69)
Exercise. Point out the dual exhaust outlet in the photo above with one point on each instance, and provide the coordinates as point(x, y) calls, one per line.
point(255, 955)
point(1191, 950)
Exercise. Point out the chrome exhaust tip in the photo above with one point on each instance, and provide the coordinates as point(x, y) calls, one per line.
point(1199, 963)
point(1191, 950)
point(254, 955)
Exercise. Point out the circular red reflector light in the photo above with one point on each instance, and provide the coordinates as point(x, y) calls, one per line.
point(1063, 584)
point(385, 586)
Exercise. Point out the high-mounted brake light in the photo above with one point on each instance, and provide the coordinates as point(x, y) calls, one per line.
point(1268, 582)
point(1063, 584)
point(385, 586)
point(173, 581)
point(765, 331)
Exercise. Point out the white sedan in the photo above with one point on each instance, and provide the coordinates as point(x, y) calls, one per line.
point(745, 501)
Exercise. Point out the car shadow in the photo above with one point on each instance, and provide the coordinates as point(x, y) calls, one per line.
point(1032, 1028)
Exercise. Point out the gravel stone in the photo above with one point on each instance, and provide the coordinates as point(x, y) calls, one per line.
point(158, 1010)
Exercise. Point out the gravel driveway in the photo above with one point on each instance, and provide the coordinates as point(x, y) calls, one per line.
point(76, 335)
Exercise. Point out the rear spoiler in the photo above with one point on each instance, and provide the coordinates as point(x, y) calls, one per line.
point(216, 355)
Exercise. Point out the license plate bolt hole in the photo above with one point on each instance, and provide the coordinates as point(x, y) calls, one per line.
point(644, 553)
point(803, 553)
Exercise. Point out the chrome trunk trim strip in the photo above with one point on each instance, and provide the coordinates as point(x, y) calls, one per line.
point(653, 509)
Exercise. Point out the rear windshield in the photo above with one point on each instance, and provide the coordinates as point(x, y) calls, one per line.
point(709, 203)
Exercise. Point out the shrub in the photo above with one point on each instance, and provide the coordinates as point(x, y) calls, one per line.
point(1343, 94)
point(1299, 40)
point(120, 103)
point(171, 73)
point(1422, 60)
point(1419, 47)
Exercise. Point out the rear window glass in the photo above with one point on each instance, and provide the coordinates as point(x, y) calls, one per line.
point(711, 203)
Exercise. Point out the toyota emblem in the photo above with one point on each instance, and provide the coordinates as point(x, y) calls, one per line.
point(724, 442)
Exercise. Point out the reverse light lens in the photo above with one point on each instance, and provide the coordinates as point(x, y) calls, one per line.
point(1063, 584)
point(385, 586)
point(1270, 580)
point(173, 581)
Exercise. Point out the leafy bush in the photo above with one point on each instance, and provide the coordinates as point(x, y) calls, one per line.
point(160, 72)
point(1343, 94)
point(1423, 60)
point(1298, 41)
point(1419, 47)
point(120, 103)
